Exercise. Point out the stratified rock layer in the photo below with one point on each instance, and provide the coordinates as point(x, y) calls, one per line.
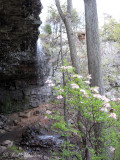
point(19, 22)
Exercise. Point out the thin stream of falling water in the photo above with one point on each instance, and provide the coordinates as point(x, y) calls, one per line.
point(40, 52)
point(41, 60)
point(43, 68)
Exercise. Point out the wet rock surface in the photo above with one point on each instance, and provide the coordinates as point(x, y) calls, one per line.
point(30, 136)
point(34, 139)
point(3, 122)
point(19, 89)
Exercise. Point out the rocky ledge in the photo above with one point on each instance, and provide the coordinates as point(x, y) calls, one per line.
point(19, 22)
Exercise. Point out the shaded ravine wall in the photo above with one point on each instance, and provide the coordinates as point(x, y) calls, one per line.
point(19, 88)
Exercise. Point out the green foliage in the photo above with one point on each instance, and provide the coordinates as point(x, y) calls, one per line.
point(55, 21)
point(54, 16)
point(111, 30)
point(15, 149)
point(48, 29)
point(91, 110)
point(77, 19)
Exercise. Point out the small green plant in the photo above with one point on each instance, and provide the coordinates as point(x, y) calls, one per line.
point(95, 117)
point(15, 149)
point(48, 29)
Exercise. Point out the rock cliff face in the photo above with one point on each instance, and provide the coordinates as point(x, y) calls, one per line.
point(19, 22)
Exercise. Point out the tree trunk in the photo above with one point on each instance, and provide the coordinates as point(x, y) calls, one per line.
point(69, 7)
point(93, 44)
point(71, 41)
point(94, 59)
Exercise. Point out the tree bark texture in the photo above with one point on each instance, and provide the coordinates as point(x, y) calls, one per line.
point(93, 44)
point(69, 7)
point(94, 60)
point(71, 41)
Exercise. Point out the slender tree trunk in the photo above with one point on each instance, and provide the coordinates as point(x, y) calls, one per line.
point(93, 44)
point(69, 7)
point(94, 59)
point(64, 84)
point(68, 25)
point(71, 42)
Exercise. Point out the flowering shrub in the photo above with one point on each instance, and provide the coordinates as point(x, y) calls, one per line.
point(88, 110)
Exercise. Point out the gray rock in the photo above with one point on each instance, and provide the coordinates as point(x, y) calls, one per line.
point(50, 140)
point(24, 115)
point(1, 125)
point(24, 63)
point(33, 137)
point(7, 143)
point(2, 131)
point(46, 158)
point(2, 149)
point(16, 122)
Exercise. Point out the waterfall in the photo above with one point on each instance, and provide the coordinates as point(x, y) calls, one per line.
point(41, 62)
point(40, 52)
point(41, 93)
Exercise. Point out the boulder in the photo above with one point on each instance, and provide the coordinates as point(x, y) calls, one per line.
point(2, 149)
point(7, 143)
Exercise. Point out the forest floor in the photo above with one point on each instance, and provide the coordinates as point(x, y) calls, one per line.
point(17, 124)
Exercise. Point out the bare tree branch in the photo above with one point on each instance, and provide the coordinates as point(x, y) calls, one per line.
point(60, 10)
point(67, 19)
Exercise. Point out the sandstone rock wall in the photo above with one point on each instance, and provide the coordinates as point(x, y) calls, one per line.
point(19, 22)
